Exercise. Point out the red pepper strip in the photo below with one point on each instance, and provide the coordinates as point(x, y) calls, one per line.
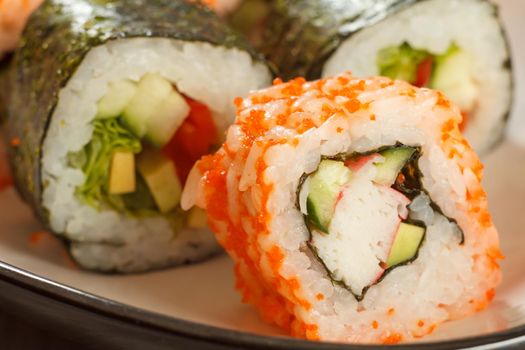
point(193, 139)
point(424, 72)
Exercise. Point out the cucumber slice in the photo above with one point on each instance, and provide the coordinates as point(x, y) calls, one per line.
point(325, 186)
point(406, 244)
point(454, 78)
point(395, 160)
point(153, 89)
point(117, 97)
point(165, 121)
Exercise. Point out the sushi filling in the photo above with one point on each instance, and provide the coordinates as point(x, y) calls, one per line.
point(146, 137)
point(450, 72)
point(358, 210)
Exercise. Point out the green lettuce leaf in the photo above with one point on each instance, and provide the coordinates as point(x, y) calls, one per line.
point(400, 62)
point(109, 135)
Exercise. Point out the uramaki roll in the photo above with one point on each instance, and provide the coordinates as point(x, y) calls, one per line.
point(353, 209)
point(110, 104)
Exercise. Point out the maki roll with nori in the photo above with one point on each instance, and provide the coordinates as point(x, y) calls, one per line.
point(352, 208)
point(455, 46)
point(13, 17)
point(110, 103)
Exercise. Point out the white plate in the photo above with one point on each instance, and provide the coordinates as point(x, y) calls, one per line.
point(204, 293)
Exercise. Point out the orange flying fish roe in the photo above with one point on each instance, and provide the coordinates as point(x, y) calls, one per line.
point(353, 105)
point(237, 101)
point(37, 237)
point(306, 124)
point(276, 257)
point(392, 338)
point(493, 255)
point(343, 80)
point(305, 330)
point(442, 100)
point(490, 294)
point(294, 87)
point(260, 99)
point(281, 119)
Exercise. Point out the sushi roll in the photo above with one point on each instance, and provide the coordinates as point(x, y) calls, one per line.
point(109, 107)
point(352, 208)
point(455, 46)
point(13, 17)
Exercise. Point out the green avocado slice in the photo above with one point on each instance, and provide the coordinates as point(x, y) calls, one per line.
point(406, 244)
point(395, 159)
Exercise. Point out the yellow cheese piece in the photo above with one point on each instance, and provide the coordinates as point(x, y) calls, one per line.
point(122, 173)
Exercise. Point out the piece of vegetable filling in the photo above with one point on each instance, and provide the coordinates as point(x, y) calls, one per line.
point(450, 72)
point(357, 210)
point(146, 137)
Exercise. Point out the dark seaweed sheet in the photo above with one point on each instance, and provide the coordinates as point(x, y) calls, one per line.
point(414, 187)
point(300, 35)
point(55, 41)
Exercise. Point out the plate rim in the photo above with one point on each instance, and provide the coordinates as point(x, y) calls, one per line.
point(213, 334)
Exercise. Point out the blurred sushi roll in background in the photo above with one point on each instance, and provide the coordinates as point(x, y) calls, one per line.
point(352, 208)
point(456, 46)
point(13, 17)
point(109, 107)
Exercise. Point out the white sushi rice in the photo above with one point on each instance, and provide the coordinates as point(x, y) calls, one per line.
point(108, 240)
point(433, 25)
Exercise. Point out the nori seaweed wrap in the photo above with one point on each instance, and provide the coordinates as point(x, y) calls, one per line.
point(112, 101)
